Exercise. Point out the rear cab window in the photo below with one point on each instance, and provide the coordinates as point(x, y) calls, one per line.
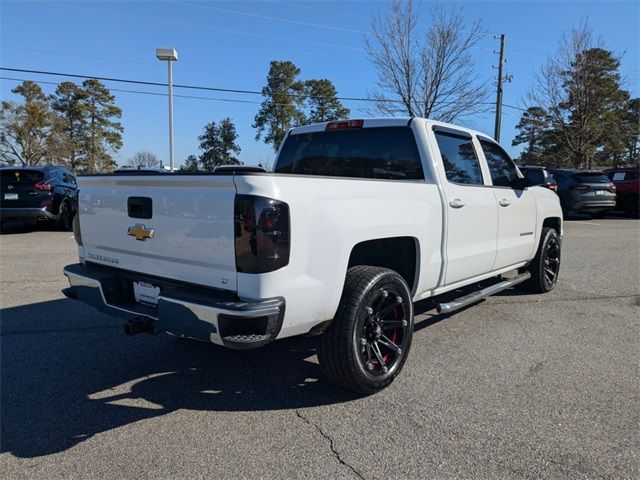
point(377, 152)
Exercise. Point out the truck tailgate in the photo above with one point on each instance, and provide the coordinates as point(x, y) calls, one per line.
point(188, 237)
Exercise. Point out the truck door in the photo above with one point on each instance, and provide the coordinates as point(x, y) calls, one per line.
point(471, 209)
point(516, 208)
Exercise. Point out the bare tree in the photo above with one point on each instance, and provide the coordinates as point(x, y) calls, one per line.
point(428, 74)
point(579, 86)
point(143, 159)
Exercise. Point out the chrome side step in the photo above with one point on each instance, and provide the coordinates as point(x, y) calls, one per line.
point(474, 297)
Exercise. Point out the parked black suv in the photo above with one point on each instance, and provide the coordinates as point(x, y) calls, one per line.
point(584, 191)
point(38, 193)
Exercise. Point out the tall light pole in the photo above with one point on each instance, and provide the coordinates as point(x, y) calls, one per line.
point(170, 55)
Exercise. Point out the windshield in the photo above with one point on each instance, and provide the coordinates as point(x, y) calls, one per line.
point(385, 153)
point(590, 177)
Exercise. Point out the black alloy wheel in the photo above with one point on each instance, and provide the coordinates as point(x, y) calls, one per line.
point(368, 341)
point(551, 262)
point(545, 266)
point(383, 333)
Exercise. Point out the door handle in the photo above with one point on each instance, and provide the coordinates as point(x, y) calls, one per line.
point(456, 203)
point(504, 202)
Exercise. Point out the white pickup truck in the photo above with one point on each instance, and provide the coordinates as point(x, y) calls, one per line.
point(358, 220)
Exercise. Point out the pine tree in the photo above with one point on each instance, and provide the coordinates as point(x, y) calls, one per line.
point(631, 131)
point(218, 145)
point(282, 107)
point(190, 164)
point(322, 101)
point(25, 128)
point(102, 133)
point(580, 88)
point(68, 101)
point(533, 127)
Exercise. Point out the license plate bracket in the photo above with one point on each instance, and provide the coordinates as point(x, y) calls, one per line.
point(146, 293)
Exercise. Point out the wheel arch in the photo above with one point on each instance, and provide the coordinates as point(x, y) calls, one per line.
point(400, 254)
point(553, 222)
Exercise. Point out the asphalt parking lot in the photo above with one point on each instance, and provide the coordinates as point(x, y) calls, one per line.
point(518, 386)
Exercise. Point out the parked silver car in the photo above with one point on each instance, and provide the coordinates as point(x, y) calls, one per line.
point(583, 191)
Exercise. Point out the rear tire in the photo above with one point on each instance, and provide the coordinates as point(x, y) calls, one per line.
point(367, 344)
point(66, 217)
point(545, 266)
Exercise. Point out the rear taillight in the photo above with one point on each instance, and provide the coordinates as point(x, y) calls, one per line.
point(342, 124)
point(553, 186)
point(262, 234)
point(44, 187)
point(613, 187)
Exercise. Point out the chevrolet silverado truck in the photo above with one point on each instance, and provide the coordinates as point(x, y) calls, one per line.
point(358, 220)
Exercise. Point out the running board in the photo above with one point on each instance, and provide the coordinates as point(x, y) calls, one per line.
point(474, 297)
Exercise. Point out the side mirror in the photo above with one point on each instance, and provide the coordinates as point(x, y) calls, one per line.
point(520, 183)
point(535, 177)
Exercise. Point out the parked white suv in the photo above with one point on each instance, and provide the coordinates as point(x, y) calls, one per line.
point(358, 220)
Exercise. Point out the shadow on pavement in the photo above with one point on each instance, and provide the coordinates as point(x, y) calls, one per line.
point(13, 228)
point(65, 379)
point(69, 373)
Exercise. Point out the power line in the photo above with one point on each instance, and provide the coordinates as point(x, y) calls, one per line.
point(194, 87)
point(265, 17)
point(161, 84)
point(157, 94)
point(80, 55)
point(216, 29)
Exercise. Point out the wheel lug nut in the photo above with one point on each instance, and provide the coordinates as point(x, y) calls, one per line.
point(369, 311)
point(404, 323)
point(398, 299)
point(385, 294)
point(363, 341)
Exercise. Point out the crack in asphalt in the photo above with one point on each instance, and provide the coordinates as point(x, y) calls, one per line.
point(335, 452)
point(251, 373)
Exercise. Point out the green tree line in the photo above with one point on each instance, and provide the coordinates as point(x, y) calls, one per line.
point(77, 126)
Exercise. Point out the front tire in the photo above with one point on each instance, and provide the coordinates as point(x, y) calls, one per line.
point(545, 266)
point(367, 344)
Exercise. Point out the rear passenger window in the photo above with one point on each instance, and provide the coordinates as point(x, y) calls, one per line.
point(503, 170)
point(459, 158)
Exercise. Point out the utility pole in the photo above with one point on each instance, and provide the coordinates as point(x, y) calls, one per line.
point(496, 135)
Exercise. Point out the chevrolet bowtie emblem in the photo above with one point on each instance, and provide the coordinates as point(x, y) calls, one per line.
point(140, 232)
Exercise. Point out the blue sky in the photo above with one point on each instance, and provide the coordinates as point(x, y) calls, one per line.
point(230, 45)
